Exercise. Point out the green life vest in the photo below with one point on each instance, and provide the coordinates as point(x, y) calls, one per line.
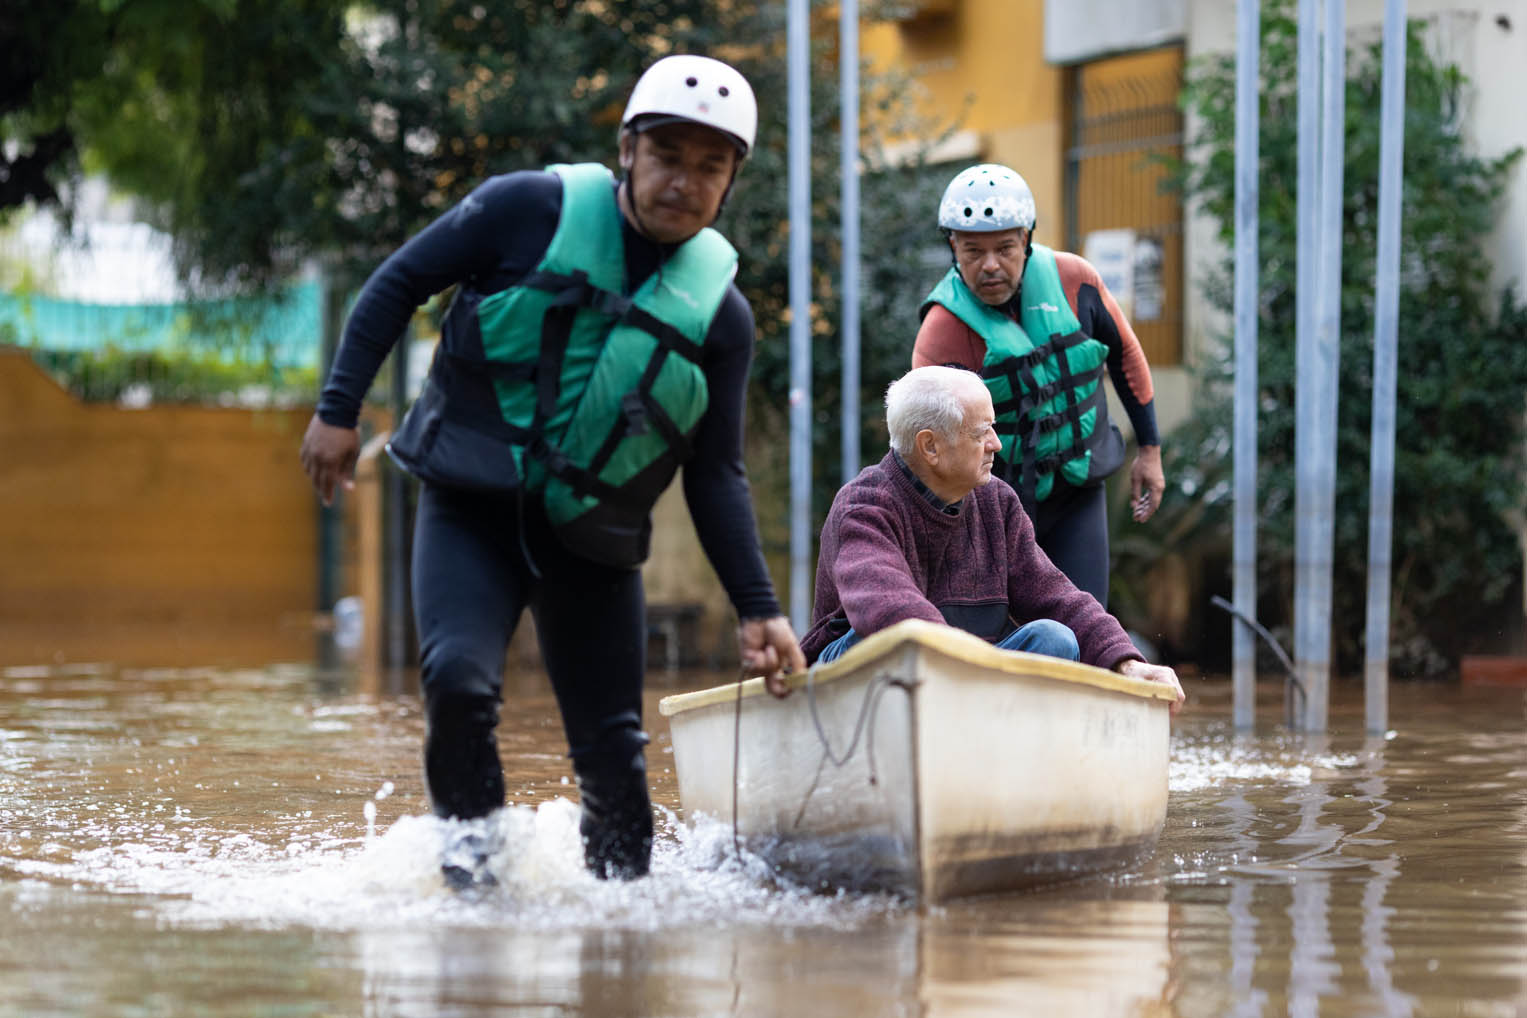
point(598, 394)
point(1048, 396)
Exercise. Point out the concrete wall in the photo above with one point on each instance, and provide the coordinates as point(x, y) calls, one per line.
point(163, 536)
point(1077, 30)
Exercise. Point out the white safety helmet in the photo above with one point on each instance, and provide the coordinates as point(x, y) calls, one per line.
point(985, 199)
point(696, 89)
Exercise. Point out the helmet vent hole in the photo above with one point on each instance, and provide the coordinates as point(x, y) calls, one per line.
point(988, 212)
point(691, 81)
point(724, 91)
point(969, 211)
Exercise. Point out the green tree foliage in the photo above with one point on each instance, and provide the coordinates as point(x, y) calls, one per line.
point(49, 48)
point(92, 80)
point(1462, 364)
point(268, 132)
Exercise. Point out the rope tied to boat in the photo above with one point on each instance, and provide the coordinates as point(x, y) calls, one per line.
point(742, 674)
point(864, 725)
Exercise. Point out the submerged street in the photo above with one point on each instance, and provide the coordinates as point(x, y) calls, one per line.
point(238, 842)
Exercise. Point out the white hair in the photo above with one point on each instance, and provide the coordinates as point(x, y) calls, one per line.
point(931, 398)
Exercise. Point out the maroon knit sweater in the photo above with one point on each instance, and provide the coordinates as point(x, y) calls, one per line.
point(887, 554)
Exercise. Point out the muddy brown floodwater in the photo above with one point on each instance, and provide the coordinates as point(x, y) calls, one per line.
point(217, 842)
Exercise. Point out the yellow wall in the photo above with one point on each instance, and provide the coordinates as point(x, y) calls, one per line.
point(988, 54)
point(163, 536)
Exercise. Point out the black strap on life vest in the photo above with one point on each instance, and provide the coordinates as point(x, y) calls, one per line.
point(639, 408)
point(1024, 425)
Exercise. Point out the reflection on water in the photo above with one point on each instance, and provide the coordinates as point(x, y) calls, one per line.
point(236, 842)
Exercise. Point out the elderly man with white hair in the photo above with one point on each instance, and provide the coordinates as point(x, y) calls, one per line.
point(923, 535)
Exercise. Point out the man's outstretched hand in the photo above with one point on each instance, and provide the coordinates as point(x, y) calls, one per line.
point(1137, 669)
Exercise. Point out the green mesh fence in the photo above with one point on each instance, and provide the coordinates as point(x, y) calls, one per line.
point(282, 330)
point(244, 349)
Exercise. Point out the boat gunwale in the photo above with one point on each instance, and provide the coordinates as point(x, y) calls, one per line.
point(922, 635)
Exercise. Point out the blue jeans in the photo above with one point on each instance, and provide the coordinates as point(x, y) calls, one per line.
point(1042, 636)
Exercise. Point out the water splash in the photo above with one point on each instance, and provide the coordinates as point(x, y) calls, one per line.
point(392, 879)
point(1214, 763)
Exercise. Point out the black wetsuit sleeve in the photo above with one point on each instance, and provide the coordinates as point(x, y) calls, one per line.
point(492, 237)
point(1099, 324)
point(715, 480)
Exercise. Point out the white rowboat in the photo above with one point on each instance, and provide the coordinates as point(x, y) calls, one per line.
point(928, 762)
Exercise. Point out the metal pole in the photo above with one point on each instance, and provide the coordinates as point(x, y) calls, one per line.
point(848, 69)
point(798, 41)
point(1320, 506)
point(395, 516)
point(1247, 124)
point(1386, 311)
point(1307, 273)
point(329, 518)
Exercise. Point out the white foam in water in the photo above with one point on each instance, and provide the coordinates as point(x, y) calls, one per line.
point(1195, 766)
point(393, 879)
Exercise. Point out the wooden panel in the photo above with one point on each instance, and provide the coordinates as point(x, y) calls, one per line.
point(125, 534)
point(1127, 120)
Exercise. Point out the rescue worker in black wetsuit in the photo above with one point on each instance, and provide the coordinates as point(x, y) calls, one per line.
point(595, 344)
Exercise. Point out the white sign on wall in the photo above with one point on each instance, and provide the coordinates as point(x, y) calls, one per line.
point(1150, 286)
point(1112, 253)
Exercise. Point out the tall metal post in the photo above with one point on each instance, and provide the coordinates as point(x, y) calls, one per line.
point(1318, 347)
point(1386, 313)
point(1306, 431)
point(1306, 274)
point(395, 516)
point(1244, 553)
point(329, 517)
point(798, 42)
point(848, 117)
point(1326, 364)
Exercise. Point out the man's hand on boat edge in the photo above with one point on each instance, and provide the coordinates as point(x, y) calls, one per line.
point(1137, 669)
point(768, 647)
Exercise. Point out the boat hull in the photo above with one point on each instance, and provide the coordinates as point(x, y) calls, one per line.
point(925, 761)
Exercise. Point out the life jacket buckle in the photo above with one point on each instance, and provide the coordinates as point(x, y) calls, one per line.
point(606, 302)
point(634, 410)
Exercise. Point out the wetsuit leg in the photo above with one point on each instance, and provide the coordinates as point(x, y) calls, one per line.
point(1072, 528)
point(591, 622)
point(469, 589)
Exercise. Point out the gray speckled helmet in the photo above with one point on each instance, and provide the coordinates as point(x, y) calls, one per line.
point(985, 199)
